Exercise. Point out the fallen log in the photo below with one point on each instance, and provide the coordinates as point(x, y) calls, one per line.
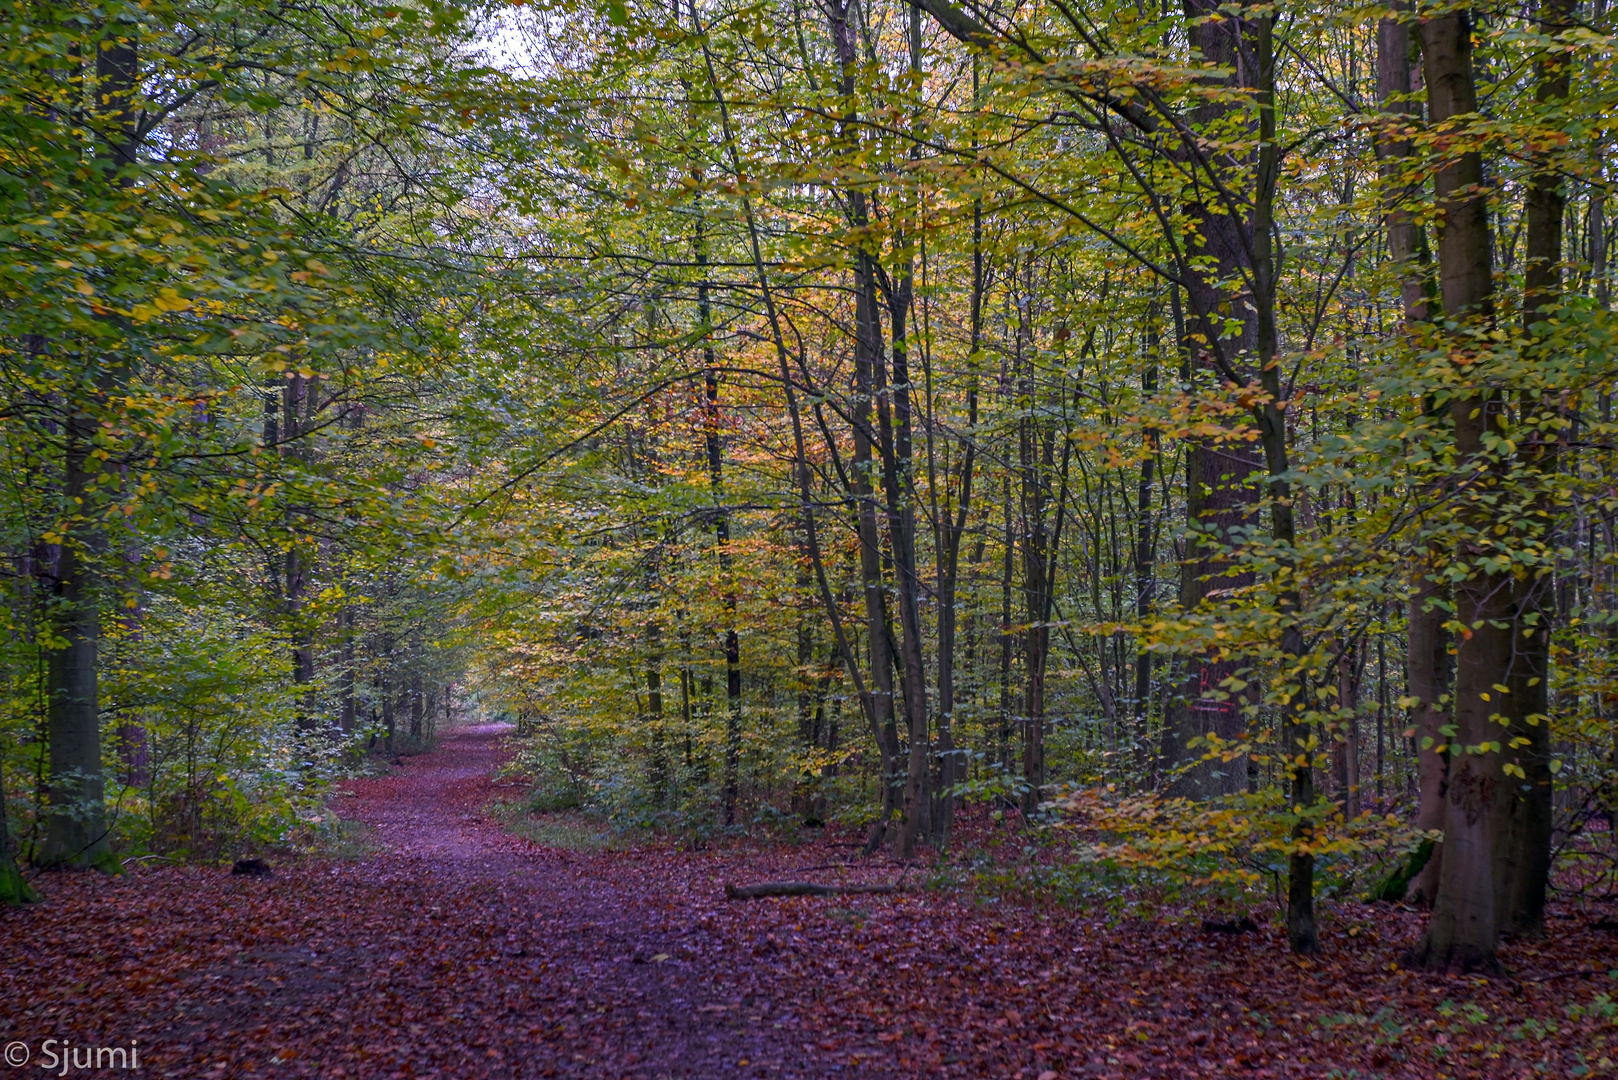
point(800, 888)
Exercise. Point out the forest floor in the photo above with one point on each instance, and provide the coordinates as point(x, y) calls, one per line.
point(454, 949)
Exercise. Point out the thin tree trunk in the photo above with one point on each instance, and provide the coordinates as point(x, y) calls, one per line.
point(1348, 748)
point(295, 403)
point(714, 446)
point(349, 711)
point(949, 771)
point(1145, 538)
point(1301, 930)
point(385, 689)
point(867, 360)
point(654, 712)
point(811, 537)
point(417, 700)
point(1006, 636)
point(899, 482)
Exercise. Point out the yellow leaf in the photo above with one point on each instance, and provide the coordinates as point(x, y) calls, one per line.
point(169, 300)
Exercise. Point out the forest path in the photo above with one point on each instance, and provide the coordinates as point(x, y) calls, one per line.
point(454, 949)
point(449, 949)
point(572, 970)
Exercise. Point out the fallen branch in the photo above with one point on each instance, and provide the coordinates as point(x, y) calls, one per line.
point(800, 888)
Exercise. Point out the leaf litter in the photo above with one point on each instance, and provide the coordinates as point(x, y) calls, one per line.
point(455, 949)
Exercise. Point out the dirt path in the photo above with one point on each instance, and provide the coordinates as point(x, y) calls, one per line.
point(452, 950)
point(583, 963)
point(456, 950)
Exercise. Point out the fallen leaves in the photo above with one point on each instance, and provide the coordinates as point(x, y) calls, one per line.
point(461, 951)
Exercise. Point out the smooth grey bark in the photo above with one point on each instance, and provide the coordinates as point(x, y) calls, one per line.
point(76, 829)
point(1427, 667)
point(1523, 844)
point(1219, 489)
point(1464, 927)
point(1427, 653)
point(75, 788)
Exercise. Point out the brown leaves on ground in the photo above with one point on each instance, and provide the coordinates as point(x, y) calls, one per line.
point(460, 951)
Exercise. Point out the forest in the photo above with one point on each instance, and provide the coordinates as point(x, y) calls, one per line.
point(1148, 461)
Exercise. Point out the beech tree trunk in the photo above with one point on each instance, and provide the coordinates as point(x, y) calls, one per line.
point(1523, 844)
point(1347, 765)
point(76, 830)
point(349, 713)
point(1466, 920)
point(75, 788)
point(1428, 668)
point(1219, 492)
point(1427, 656)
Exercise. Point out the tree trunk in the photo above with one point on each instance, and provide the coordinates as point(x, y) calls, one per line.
point(1523, 851)
point(1427, 670)
point(801, 461)
point(295, 405)
point(867, 361)
point(654, 712)
point(1271, 421)
point(350, 711)
point(897, 477)
point(1427, 656)
point(1395, 81)
point(1347, 764)
point(13, 889)
point(1146, 540)
point(1465, 923)
point(715, 446)
point(1006, 637)
point(385, 688)
point(416, 702)
point(1219, 495)
point(949, 771)
point(76, 828)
